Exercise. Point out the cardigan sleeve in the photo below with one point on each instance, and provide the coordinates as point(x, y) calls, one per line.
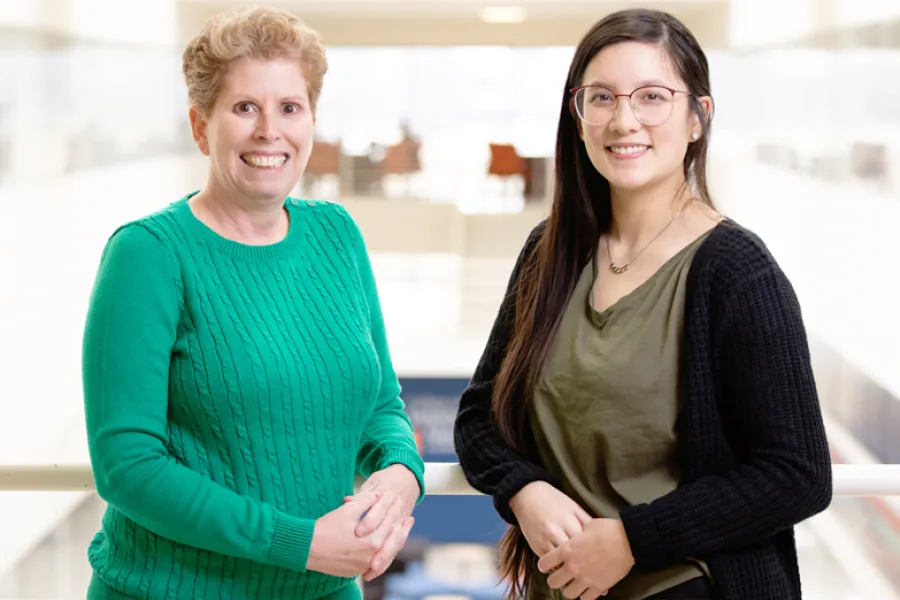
point(489, 464)
point(769, 402)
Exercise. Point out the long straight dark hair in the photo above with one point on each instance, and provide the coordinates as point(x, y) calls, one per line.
point(581, 211)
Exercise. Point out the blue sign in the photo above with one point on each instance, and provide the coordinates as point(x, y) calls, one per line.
point(432, 404)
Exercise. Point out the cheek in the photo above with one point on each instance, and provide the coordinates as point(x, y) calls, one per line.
point(302, 130)
point(593, 139)
point(226, 138)
point(671, 143)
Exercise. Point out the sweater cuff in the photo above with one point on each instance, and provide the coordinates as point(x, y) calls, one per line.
point(513, 483)
point(409, 459)
point(291, 541)
point(644, 538)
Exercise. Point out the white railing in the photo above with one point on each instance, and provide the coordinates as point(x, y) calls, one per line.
point(441, 479)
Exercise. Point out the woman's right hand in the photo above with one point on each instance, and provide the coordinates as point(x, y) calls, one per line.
point(335, 548)
point(547, 517)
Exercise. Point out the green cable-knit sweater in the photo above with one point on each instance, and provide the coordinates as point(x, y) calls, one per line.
point(232, 394)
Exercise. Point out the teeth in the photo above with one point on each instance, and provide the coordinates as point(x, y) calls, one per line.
point(263, 162)
point(628, 149)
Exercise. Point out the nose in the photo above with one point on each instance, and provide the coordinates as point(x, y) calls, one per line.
point(266, 128)
point(623, 120)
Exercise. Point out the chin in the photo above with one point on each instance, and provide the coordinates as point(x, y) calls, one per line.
point(628, 182)
point(268, 192)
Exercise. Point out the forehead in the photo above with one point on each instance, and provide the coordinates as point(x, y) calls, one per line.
point(277, 77)
point(627, 65)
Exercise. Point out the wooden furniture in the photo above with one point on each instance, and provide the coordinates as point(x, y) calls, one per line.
point(324, 161)
point(402, 159)
point(505, 163)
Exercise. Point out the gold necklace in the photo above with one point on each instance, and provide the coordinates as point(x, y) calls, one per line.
point(617, 269)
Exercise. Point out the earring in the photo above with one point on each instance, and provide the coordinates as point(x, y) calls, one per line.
point(694, 136)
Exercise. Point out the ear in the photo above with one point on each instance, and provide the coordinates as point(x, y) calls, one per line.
point(198, 129)
point(706, 107)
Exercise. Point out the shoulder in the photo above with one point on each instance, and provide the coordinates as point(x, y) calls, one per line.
point(147, 243)
point(145, 236)
point(332, 229)
point(319, 208)
point(159, 229)
point(137, 263)
point(328, 218)
point(731, 257)
point(533, 240)
point(536, 233)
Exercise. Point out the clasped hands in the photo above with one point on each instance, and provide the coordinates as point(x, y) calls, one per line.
point(365, 534)
point(583, 556)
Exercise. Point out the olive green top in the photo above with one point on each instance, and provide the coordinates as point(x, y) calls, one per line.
point(605, 407)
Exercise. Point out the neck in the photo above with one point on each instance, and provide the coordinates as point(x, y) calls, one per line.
point(240, 219)
point(640, 214)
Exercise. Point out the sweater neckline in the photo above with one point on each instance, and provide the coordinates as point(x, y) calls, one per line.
point(203, 233)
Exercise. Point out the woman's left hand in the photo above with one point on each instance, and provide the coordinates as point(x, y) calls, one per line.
point(399, 490)
point(590, 563)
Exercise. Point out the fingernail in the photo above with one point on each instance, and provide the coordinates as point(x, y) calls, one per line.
point(377, 564)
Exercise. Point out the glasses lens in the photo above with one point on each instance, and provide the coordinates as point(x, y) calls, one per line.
point(652, 105)
point(595, 105)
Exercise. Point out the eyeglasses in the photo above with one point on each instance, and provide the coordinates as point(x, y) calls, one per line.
point(652, 105)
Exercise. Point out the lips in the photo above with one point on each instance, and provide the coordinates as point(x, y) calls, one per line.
point(631, 149)
point(628, 150)
point(264, 161)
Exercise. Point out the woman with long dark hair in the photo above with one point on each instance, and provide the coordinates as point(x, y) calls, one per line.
point(645, 414)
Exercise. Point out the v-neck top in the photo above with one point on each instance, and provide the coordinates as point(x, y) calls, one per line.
point(605, 407)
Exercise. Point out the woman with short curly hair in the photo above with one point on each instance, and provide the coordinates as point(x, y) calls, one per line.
point(236, 370)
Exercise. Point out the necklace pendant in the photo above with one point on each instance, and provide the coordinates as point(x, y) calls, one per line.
point(617, 269)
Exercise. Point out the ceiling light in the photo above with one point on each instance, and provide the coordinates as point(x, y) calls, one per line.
point(502, 14)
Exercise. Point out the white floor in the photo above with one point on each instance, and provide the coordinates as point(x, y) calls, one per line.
point(841, 252)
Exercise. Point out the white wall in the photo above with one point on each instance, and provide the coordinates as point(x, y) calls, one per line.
point(144, 23)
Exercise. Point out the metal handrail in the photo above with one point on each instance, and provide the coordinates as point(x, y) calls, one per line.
point(442, 479)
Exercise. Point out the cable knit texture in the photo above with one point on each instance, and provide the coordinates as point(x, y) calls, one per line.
point(232, 393)
point(752, 448)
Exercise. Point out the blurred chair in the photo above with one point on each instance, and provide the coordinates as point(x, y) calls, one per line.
point(362, 175)
point(538, 174)
point(506, 162)
point(324, 161)
point(402, 159)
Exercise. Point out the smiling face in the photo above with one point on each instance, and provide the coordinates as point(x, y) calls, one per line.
point(629, 153)
point(259, 132)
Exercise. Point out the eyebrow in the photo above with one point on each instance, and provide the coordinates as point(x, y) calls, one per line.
point(644, 83)
point(250, 98)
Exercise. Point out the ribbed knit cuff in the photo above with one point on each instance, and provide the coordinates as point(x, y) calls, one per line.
point(513, 483)
point(644, 538)
point(409, 459)
point(291, 541)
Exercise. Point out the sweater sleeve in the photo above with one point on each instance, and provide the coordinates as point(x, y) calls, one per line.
point(388, 437)
point(489, 464)
point(130, 332)
point(770, 405)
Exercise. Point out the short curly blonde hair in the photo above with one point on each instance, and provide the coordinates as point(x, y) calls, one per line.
point(250, 32)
